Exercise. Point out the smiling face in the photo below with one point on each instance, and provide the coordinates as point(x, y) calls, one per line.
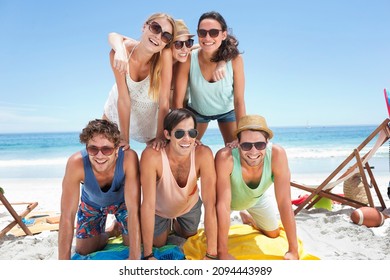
point(253, 157)
point(102, 163)
point(185, 144)
point(209, 43)
point(181, 54)
point(156, 32)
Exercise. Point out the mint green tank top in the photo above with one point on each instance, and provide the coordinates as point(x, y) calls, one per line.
point(210, 99)
point(243, 197)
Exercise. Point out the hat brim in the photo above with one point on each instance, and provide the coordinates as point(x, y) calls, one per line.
point(185, 34)
point(257, 128)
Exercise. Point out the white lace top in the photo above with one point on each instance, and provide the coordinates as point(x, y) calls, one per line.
point(143, 110)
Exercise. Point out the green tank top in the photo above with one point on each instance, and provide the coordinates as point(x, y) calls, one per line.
point(244, 197)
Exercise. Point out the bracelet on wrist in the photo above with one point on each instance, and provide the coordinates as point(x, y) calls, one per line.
point(151, 255)
point(213, 257)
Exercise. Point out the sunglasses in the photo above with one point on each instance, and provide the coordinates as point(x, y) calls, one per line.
point(179, 44)
point(247, 146)
point(180, 133)
point(155, 28)
point(106, 150)
point(212, 32)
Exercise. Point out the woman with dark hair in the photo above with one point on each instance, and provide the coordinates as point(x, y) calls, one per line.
point(221, 100)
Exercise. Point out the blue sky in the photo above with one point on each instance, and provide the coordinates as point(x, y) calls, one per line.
point(306, 62)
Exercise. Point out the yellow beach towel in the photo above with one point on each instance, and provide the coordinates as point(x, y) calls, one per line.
point(246, 243)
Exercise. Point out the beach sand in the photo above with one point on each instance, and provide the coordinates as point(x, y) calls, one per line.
point(329, 235)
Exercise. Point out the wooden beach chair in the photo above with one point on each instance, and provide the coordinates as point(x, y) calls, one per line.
point(387, 99)
point(17, 217)
point(360, 165)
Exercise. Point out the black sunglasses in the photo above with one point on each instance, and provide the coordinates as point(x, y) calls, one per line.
point(106, 150)
point(247, 146)
point(212, 32)
point(155, 28)
point(179, 44)
point(180, 133)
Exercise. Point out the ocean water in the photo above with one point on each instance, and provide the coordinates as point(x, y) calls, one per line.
point(309, 150)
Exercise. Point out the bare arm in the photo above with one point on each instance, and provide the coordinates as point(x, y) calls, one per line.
point(123, 103)
point(208, 193)
point(220, 71)
point(132, 200)
point(181, 82)
point(282, 178)
point(224, 167)
point(74, 174)
point(239, 87)
point(163, 101)
point(118, 43)
point(148, 206)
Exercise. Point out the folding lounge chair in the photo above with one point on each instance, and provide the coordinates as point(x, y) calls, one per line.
point(387, 98)
point(17, 217)
point(360, 166)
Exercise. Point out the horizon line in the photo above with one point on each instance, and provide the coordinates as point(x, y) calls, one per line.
point(214, 128)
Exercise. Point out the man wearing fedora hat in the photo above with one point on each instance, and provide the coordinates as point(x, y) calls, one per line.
point(244, 174)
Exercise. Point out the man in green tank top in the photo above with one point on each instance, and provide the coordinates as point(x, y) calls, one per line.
point(244, 174)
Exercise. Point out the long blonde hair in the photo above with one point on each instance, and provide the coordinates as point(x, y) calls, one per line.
point(155, 61)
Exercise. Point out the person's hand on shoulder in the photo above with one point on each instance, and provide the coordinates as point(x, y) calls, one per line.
point(124, 144)
point(233, 144)
point(119, 44)
point(120, 61)
point(220, 71)
point(197, 142)
point(158, 143)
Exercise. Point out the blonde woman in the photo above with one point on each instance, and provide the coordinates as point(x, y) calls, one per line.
point(139, 100)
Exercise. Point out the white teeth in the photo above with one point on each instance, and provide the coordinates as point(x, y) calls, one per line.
point(253, 156)
point(154, 42)
point(185, 146)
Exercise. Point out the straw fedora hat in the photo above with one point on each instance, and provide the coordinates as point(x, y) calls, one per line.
point(182, 29)
point(253, 122)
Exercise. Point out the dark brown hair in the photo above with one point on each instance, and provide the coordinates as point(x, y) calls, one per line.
point(100, 127)
point(174, 117)
point(228, 49)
